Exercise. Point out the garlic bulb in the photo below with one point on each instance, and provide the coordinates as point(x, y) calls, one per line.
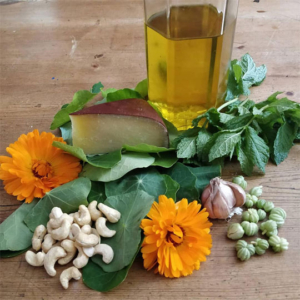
point(220, 198)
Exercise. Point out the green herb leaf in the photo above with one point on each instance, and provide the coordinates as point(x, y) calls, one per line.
point(224, 118)
point(224, 144)
point(97, 192)
point(80, 99)
point(68, 197)
point(293, 115)
point(122, 94)
point(128, 162)
point(284, 141)
point(145, 148)
point(8, 254)
point(238, 122)
point(187, 147)
point(66, 133)
point(172, 187)
point(256, 149)
point(202, 138)
point(96, 89)
point(105, 161)
point(165, 159)
point(187, 181)
point(133, 207)
point(284, 104)
point(245, 161)
point(142, 88)
point(14, 234)
point(95, 278)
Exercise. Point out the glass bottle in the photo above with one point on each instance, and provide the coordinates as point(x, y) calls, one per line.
point(188, 48)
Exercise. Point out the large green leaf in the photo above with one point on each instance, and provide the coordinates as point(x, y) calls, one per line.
point(165, 159)
point(142, 88)
point(95, 278)
point(68, 197)
point(172, 187)
point(187, 181)
point(14, 234)
point(80, 99)
point(8, 254)
point(145, 148)
point(105, 161)
point(122, 95)
point(97, 192)
point(66, 132)
point(129, 162)
point(133, 207)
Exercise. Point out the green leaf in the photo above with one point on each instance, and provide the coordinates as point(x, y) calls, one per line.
point(145, 148)
point(8, 254)
point(128, 162)
point(204, 175)
point(224, 118)
point(80, 99)
point(224, 144)
point(237, 70)
point(97, 192)
point(107, 91)
point(95, 278)
point(270, 100)
point(238, 122)
point(66, 132)
point(187, 181)
point(96, 89)
point(284, 141)
point(172, 187)
point(122, 94)
point(14, 234)
point(133, 207)
point(68, 197)
point(293, 115)
point(202, 138)
point(192, 132)
point(165, 159)
point(256, 149)
point(213, 116)
point(187, 147)
point(142, 88)
point(245, 161)
point(105, 161)
point(284, 104)
point(149, 181)
point(172, 131)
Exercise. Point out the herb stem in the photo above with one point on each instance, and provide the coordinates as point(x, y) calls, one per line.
point(204, 124)
point(227, 103)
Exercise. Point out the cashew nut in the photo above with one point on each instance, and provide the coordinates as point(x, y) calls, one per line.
point(94, 212)
point(95, 232)
point(51, 257)
point(82, 217)
point(102, 229)
point(86, 229)
point(63, 231)
point(88, 251)
point(67, 275)
point(111, 214)
point(35, 259)
point(55, 223)
point(81, 260)
point(38, 236)
point(48, 243)
point(56, 213)
point(49, 228)
point(106, 252)
point(83, 239)
point(71, 236)
point(71, 250)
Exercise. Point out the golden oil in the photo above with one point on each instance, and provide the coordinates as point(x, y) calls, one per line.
point(184, 53)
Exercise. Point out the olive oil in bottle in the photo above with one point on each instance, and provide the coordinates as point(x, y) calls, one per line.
point(184, 53)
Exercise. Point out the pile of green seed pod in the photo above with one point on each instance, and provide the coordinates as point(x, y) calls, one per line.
point(258, 210)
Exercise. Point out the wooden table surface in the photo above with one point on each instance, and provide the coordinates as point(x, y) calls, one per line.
point(50, 49)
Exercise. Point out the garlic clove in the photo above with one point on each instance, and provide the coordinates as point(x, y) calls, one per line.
point(239, 194)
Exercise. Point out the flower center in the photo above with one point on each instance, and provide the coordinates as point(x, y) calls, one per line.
point(175, 236)
point(41, 169)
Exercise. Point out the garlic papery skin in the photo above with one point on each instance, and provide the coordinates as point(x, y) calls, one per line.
point(220, 198)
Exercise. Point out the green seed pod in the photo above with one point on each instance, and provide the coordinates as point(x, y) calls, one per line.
point(278, 211)
point(269, 227)
point(251, 249)
point(260, 203)
point(240, 180)
point(278, 244)
point(268, 206)
point(260, 246)
point(249, 203)
point(249, 228)
point(250, 215)
point(250, 200)
point(256, 191)
point(278, 219)
point(261, 214)
point(240, 244)
point(235, 231)
point(244, 254)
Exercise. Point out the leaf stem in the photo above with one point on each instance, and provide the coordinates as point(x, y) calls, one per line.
point(227, 103)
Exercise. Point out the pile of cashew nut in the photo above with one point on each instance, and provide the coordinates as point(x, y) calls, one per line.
point(68, 233)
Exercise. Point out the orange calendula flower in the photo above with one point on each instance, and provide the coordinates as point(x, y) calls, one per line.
point(177, 237)
point(36, 167)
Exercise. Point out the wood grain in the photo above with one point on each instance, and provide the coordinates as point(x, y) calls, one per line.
point(51, 49)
